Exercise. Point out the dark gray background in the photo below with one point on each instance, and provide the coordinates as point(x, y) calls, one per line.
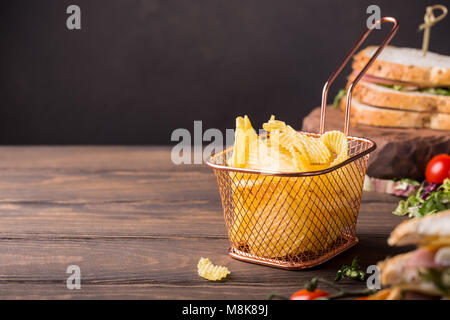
point(139, 69)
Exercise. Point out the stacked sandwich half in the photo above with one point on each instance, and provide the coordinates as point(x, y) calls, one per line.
point(402, 89)
point(424, 272)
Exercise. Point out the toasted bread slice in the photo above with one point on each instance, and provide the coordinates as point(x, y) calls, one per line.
point(361, 113)
point(395, 272)
point(376, 95)
point(440, 121)
point(406, 64)
point(428, 230)
point(392, 269)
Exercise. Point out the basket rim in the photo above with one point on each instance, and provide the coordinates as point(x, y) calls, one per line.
point(293, 174)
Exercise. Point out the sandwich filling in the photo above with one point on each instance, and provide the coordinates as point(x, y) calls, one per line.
point(426, 270)
point(406, 86)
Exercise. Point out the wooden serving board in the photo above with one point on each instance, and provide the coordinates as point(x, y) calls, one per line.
point(400, 153)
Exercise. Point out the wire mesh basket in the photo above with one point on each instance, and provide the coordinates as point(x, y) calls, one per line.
point(297, 220)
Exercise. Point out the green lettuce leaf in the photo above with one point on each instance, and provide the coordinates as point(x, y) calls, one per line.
point(338, 97)
point(439, 91)
point(415, 206)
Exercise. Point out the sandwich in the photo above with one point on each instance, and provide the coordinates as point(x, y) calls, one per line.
point(422, 273)
point(401, 89)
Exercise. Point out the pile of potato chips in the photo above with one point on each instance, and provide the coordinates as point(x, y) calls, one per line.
point(276, 216)
point(284, 149)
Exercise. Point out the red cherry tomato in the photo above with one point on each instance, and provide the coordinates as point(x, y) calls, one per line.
point(438, 168)
point(309, 295)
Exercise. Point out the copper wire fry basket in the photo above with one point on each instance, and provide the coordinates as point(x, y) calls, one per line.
point(297, 220)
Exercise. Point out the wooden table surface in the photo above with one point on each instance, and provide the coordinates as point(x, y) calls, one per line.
point(136, 225)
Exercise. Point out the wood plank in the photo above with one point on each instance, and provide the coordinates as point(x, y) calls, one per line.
point(167, 261)
point(146, 218)
point(139, 291)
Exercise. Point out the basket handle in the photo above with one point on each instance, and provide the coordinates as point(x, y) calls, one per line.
point(360, 74)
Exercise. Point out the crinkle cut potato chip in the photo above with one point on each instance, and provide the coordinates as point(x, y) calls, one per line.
point(336, 141)
point(208, 271)
point(245, 137)
point(314, 149)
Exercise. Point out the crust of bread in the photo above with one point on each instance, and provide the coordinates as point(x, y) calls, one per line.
point(427, 75)
point(384, 117)
point(374, 95)
point(421, 230)
point(395, 272)
point(440, 121)
point(392, 269)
